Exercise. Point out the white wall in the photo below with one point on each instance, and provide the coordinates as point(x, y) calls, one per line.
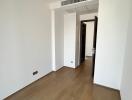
point(25, 43)
point(77, 52)
point(59, 39)
point(112, 28)
point(88, 16)
point(126, 86)
point(89, 38)
point(69, 39)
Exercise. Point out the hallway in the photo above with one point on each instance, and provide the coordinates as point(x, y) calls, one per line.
point(67, 84)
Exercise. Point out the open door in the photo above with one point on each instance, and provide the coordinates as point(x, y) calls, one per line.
point(94, 43)
point(82, 42)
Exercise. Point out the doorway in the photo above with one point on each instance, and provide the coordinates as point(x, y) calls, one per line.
point(83, 44)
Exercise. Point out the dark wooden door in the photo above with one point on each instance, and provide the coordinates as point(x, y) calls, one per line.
point(94, 43)
point(82, 42)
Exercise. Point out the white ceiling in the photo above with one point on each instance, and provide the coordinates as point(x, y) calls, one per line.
point(82, 8)
point(52, 0)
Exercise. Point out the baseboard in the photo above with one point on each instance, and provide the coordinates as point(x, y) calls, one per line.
point(121, 96)
point(106, 87)
point(56, 68)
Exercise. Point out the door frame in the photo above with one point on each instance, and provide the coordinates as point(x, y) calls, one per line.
point(82, 41)
point(95, 20)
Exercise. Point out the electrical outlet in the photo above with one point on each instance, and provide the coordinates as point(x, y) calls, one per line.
point(36, 72)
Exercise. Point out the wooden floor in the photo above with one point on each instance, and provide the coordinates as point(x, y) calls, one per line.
point(67, 84)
